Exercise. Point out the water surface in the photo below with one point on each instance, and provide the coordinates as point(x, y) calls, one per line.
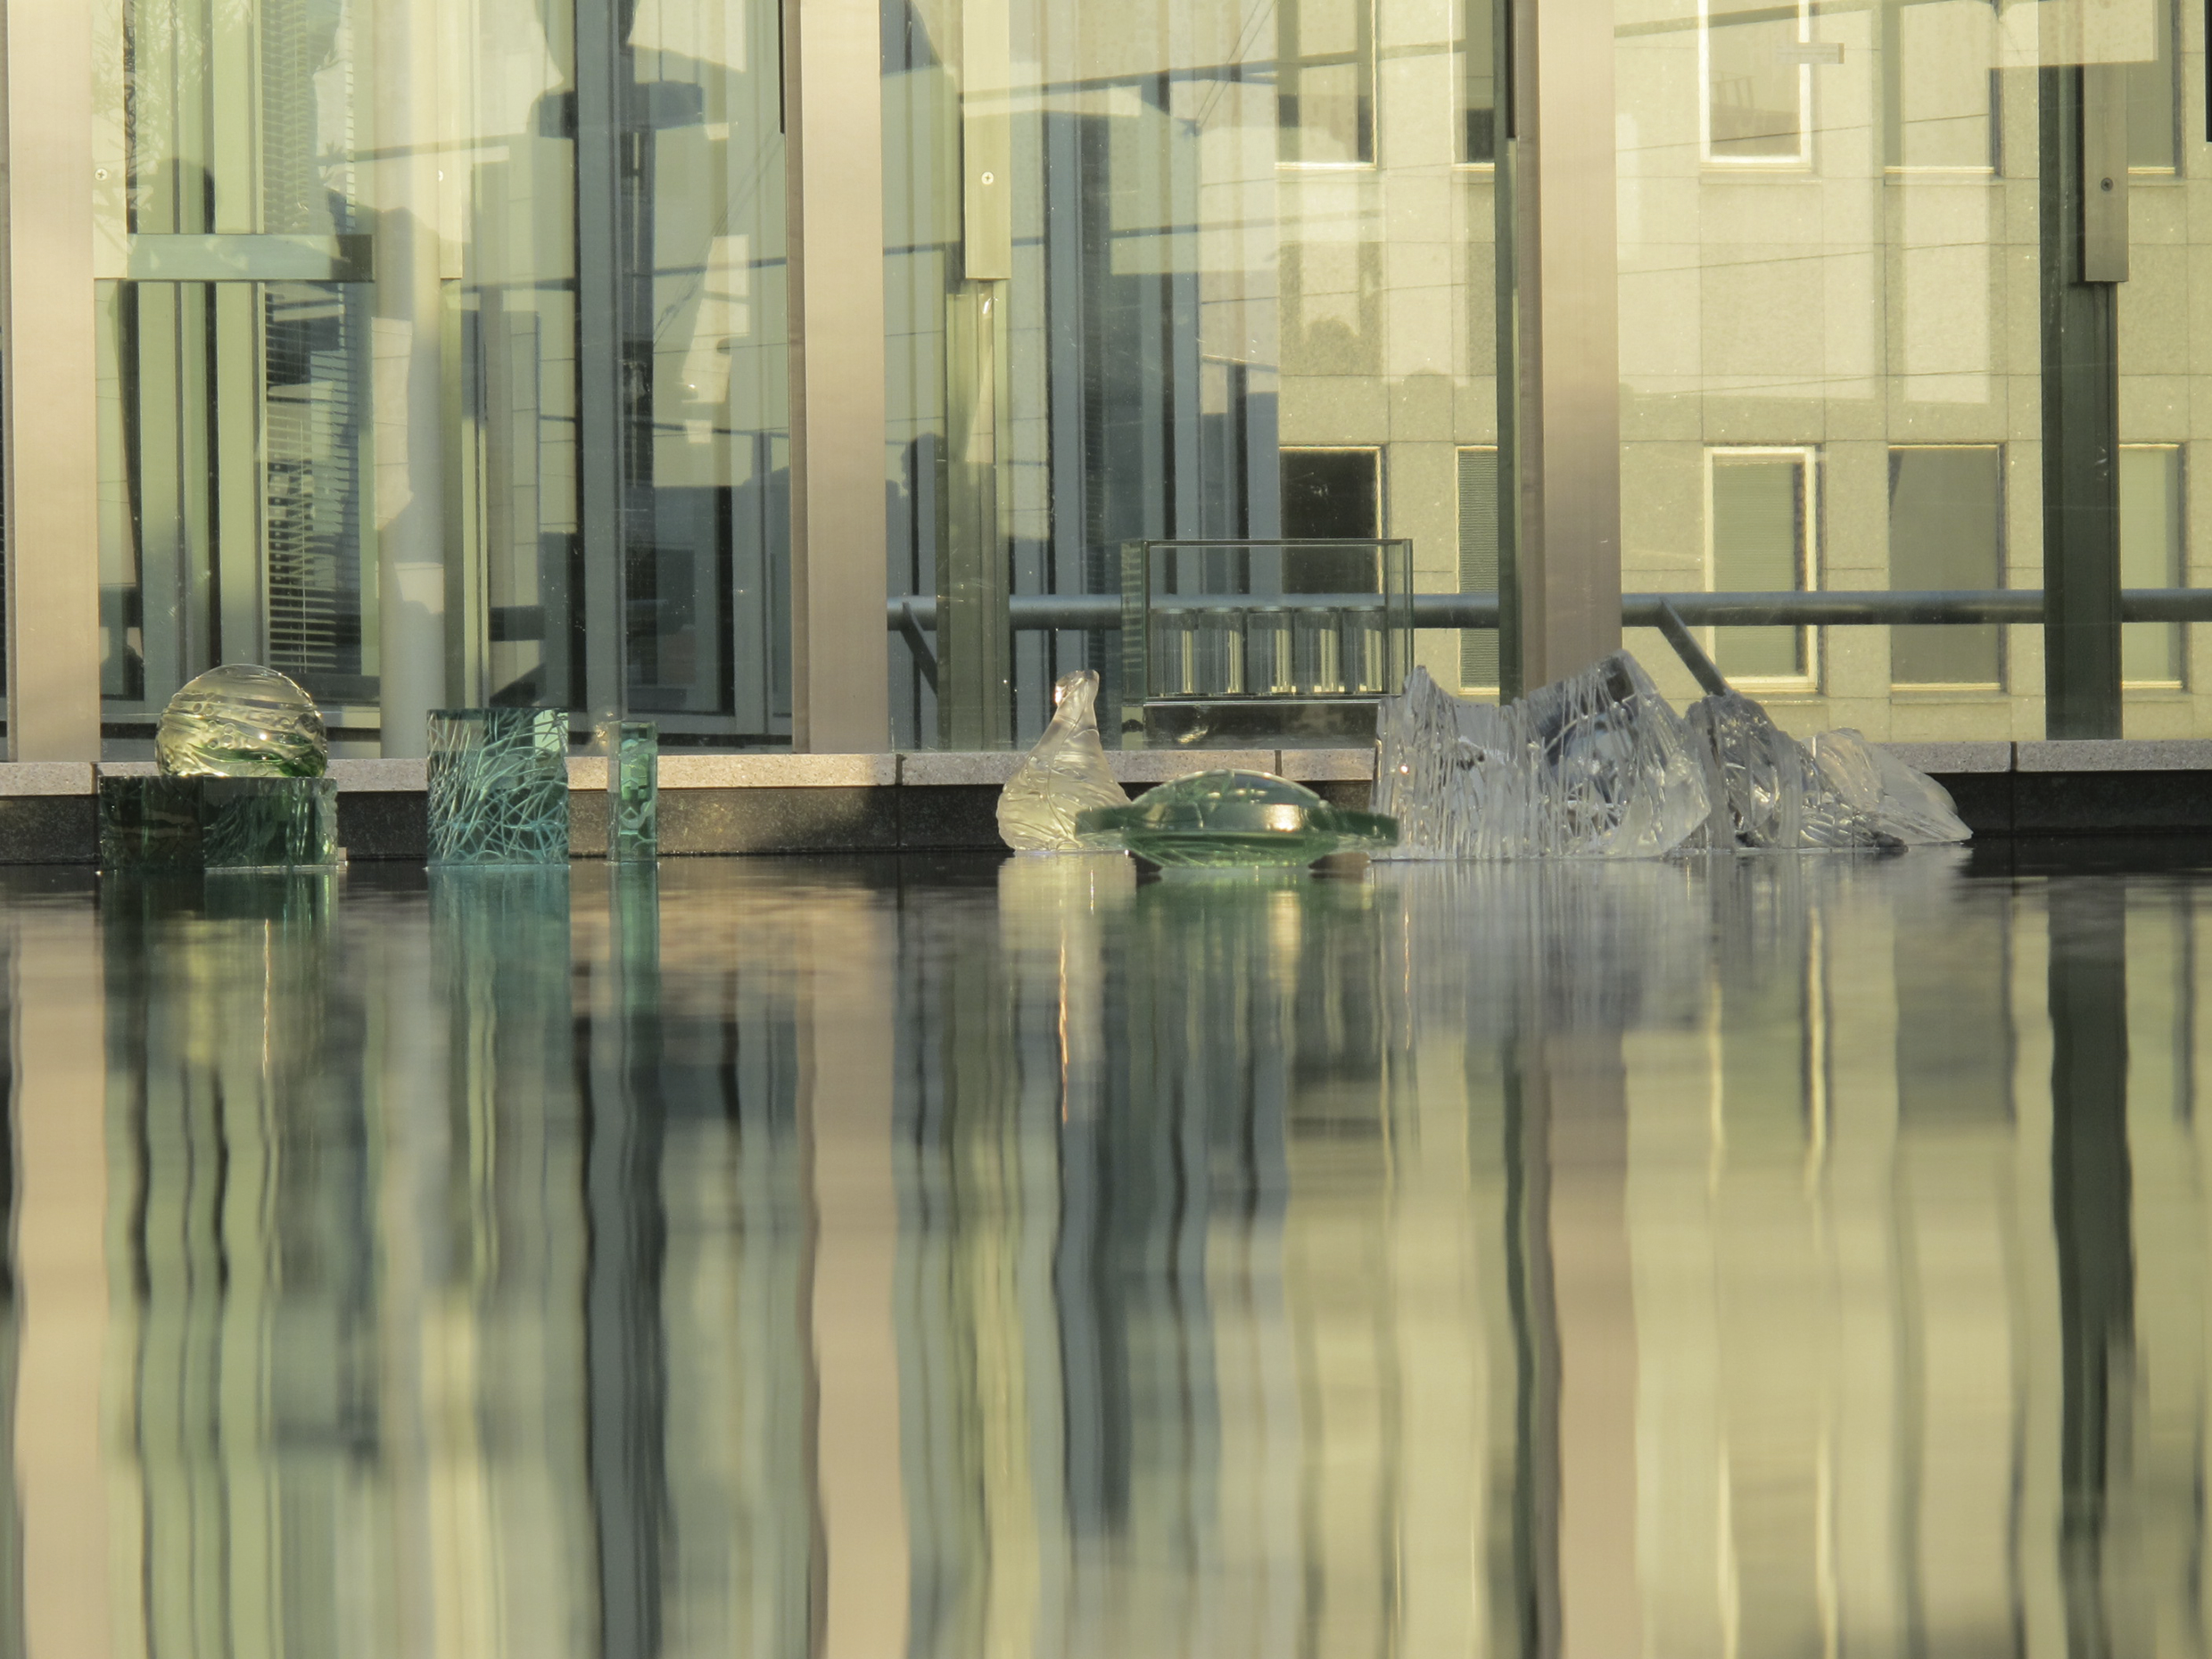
point(1788, 1256)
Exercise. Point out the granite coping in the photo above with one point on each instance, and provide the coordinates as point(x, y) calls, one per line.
point(927, 769)
point(2122, 754)
point(46, 778)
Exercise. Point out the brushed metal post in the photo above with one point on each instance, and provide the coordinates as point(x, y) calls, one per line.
point(48, 380)
point(833, 160)
point(2104, 172)
point(1565, 417)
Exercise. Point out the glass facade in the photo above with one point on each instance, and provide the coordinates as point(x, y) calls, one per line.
point(444, 351)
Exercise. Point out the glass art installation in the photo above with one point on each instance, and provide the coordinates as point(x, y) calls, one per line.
point(217, 824)
point(1598, 766)
point(633, 809)
point(241, 721)
point(1771, 791)
point(1228, 820)
point(1064, 775)
point(499, 786)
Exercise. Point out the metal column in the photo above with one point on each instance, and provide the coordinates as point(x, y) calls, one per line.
point(49, 380)
point(1559, 369)
point(2084, 198)
point(833, 147)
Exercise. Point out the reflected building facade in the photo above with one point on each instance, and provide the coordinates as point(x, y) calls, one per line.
point(1452, 1261)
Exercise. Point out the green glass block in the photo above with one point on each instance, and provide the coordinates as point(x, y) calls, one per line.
point(499, 786)
point(241, 720)
point(1226, 820)
point(217, 824)
point(633, 806)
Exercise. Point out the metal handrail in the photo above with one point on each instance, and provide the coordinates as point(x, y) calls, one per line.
point(1032, 612)
point(1674, 615)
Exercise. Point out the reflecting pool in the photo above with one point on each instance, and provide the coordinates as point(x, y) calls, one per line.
point(1772, 1256)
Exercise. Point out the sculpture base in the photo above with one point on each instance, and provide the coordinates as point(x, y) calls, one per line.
point(218, 823)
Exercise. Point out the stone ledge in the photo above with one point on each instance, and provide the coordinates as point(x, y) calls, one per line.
point(45, 777)
point(1952, 759)
point(1327, 765)
point(2115, 755)
point(381, 776)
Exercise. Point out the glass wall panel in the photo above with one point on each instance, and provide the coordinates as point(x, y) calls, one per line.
point(1828, 244)
point(1478, 561)
point(1946, 534)
point(1762, 521)
point(2152, 555)
point(2162, 367)
point(1228, 251)
point(395, 287)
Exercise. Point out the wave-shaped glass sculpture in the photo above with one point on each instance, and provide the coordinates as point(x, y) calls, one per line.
point(1224, 819)
point(241, 721)
point(1771, 791)
point(1597, 765)
point(1064, 775)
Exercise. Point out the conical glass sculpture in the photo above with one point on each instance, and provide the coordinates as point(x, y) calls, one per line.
point(241, 721)
point(1064, 775)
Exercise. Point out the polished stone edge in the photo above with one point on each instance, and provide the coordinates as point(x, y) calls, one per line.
point(46, 778)
point(1327, 765)
point(2122, 754)
point(381, 776)
point(770, 772)
point(1953, 759)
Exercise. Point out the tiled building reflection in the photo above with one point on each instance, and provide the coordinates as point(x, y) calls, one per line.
point(1778, 1256)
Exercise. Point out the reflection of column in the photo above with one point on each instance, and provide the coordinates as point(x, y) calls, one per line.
point(54, 997)
point(409, 321)
point(1581, 1082)
point(2090, 1198)
point(844, 1105)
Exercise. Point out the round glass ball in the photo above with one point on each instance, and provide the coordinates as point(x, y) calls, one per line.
point(241, 721)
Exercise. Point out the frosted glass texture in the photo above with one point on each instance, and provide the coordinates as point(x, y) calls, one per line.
point(1222, 820)
point(1064, 775)
point(241, 720)
point(499, 786)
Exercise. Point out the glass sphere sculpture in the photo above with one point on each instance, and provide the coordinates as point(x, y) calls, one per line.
point(1222, 820)
point(241, 721)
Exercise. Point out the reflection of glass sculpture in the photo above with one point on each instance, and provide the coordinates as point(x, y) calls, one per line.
point(1222, 820)
point(1770, 791)
point(633, 809)
point(1597, 765)
point(241, 721)
point(1063, 775)
point(499, 786)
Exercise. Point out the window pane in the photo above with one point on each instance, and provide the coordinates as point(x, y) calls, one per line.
point(1941, 58)
point(1478, 52)
point(2151, 134)
point(1478, 561)
point(1946, 532)
point(1759, 546)
point(1325, 80)
point(2150, 557)
point(1755, 88)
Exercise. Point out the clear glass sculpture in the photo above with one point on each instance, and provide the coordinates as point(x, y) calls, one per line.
point(1772, 792)
point(241, 721)
point(634, 812)
point(217, 824)
point(499, 786)
point(1222, 820)
point(1597, 765)
point(1064, 775)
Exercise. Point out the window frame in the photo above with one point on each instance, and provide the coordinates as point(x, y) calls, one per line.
point(1810, 653)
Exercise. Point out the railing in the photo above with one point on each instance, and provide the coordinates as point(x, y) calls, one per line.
point(1674, 615)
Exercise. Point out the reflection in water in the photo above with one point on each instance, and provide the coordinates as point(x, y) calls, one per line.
point(1773, 1256)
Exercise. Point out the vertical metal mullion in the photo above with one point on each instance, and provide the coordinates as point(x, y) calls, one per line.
point(833, 156)
point(48, 384)
point(1559, 360)
point(599, 458)
point(2081, 423)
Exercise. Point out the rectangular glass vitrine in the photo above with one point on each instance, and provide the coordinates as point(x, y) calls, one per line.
point(1233, 640)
